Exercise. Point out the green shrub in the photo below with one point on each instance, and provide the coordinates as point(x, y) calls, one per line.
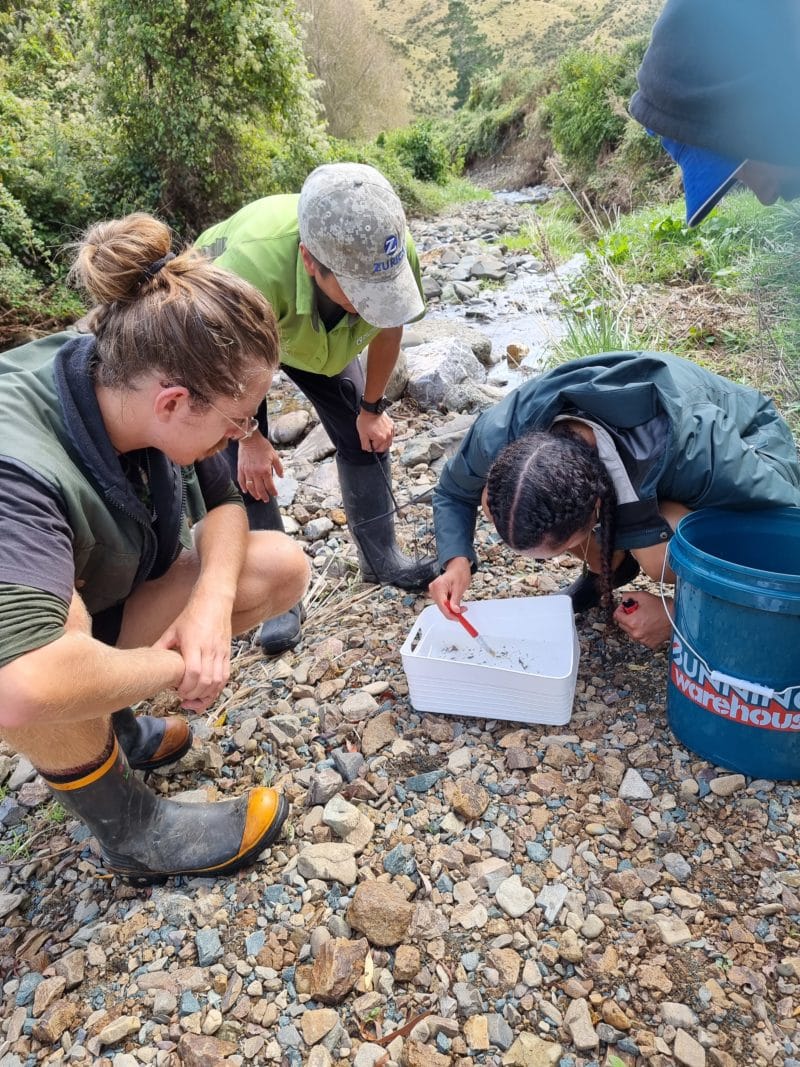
point(424, 153)
point(184, 85)
point(581, 114)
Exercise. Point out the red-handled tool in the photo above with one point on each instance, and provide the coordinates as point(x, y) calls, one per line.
point(459, 617)
point(630, 605)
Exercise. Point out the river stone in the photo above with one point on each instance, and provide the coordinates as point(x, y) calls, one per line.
point(200, 1050)
point(531, 1051)
point(316, 1023)
point(337, 968)
point(417, 333)
point(416, 1054)
point(435, 367)
point(500, 1033)
point(592, 927)
point(678, 1015)
point(10, 902)
point(727, 784)
point(688, 1052)
point(319, 1057)
point(289, 427)
point(634, 787)
point(24, 771)
point(469, 799)
point(119, 1029)
point(514, 898)
point(323, 785)
point(578, 1022)
point(551, 898)
point(316, 446)
point(615, 1016)
point(328, 861)
point(380, 911)
point(569, 947)
point(468, 998)
point(407, 963)
point(46, 992)
point(489, 267)
point(370, 1055)
point(378, 732)
point(672, 930)
point(342, 816)
point(61, 1016)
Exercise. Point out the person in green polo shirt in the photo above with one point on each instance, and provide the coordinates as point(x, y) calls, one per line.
point(339, 268)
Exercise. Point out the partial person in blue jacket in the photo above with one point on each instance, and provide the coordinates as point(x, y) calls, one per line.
point(600, 458)
point(720, 85)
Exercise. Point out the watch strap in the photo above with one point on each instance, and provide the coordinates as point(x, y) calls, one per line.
point(375, 407)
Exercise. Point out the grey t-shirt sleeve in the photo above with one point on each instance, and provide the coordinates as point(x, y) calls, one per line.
point(35, 536)
point(30, 620)
point(37, 569)
point(216, 483)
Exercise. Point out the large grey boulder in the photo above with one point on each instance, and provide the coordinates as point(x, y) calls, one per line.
point(435, 367)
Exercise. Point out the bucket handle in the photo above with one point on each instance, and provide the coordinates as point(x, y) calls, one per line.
point(715, 675)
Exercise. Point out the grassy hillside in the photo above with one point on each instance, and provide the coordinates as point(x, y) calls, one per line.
point(526, 32)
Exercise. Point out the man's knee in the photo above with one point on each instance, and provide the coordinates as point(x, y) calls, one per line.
point(280, 566)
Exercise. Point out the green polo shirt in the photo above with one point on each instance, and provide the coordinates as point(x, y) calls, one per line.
point(261, 243)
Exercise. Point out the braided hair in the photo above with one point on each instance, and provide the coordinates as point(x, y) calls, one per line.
point(543, 489)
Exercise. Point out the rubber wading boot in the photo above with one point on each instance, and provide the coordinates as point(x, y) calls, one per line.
point(585, 591)
point(368, 504)
point(284, 631)
point(149, 742)
point(146, 838)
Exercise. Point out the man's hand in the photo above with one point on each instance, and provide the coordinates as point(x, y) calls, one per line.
point(258, 462)
point(646, 622)
point(202, 635)
point(448, 589)
point(375, 431)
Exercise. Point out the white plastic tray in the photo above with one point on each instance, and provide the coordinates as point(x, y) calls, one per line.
point(532, 678)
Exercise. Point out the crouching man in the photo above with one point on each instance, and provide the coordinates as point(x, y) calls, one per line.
point(107, 442)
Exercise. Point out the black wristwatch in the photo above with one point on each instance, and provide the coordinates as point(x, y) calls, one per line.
point(375, 407)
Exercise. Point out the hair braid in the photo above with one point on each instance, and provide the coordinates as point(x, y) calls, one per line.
point(543, 488)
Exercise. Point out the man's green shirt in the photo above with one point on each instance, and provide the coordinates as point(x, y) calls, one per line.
point(261, 243)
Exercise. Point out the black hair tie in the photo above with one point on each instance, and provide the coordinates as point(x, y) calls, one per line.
point(151, 271)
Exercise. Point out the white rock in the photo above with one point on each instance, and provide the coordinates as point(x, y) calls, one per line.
point(678, 1015)
point(592, 927)
point(634, 787)
point(726, 785)
point(341, 816)
point(578, 1022)
point(551, 898)
point(514, 898)
point(329, 862)
point(673, 930)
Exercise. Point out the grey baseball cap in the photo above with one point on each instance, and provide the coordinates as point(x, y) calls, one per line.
point(352, 221)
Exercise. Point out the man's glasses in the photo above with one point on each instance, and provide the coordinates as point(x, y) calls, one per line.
point(246, 426)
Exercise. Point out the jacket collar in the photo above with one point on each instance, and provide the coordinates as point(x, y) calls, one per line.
point(86, 430)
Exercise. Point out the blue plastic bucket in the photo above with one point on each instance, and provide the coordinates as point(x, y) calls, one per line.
point(733, 694)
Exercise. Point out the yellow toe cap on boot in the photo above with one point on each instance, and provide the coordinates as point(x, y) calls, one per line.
point(266, 812)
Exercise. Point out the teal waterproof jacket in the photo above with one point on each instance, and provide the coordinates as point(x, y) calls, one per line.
point(682, 432)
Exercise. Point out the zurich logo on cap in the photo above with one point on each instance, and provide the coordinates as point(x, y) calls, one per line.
point(390, 245)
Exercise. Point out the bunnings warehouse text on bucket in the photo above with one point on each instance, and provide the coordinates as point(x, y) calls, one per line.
point(690, 677)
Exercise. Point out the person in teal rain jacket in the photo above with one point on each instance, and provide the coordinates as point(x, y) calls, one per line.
point(600, 458)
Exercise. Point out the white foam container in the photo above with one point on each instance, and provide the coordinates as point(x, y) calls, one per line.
point(541, 693)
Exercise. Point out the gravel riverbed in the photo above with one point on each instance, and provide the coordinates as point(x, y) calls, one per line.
point(448, 891)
